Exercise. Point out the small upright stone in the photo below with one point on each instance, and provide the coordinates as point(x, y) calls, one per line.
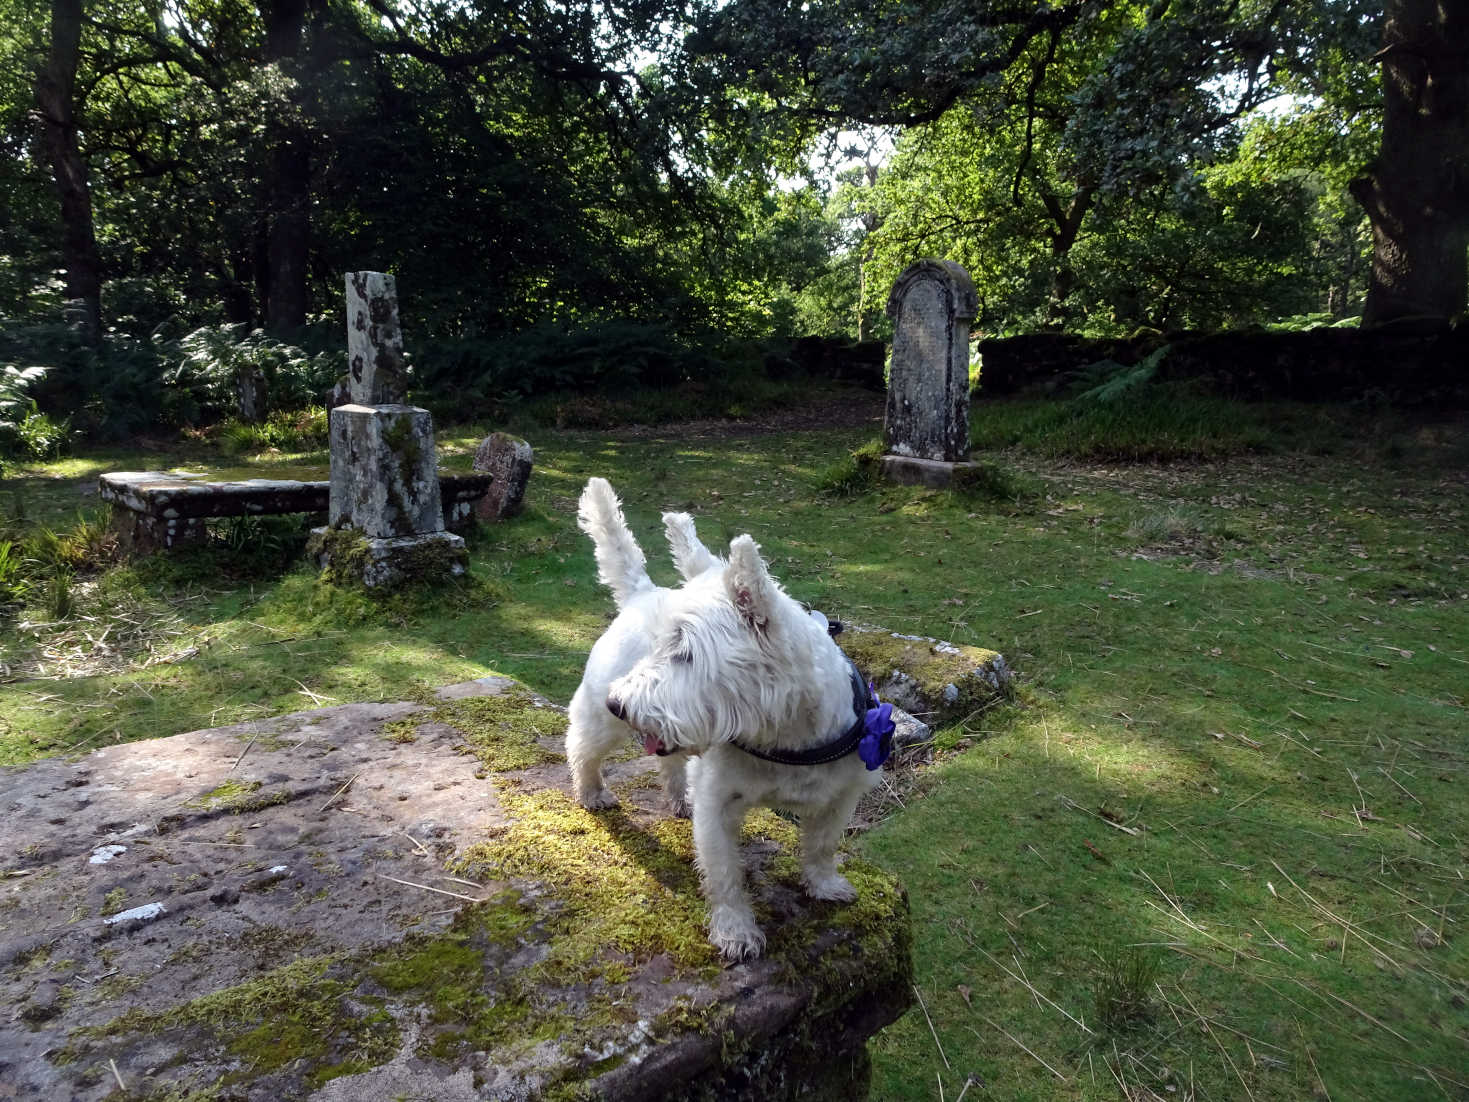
point(926, 430)
point(375, 363)
point(508, 459)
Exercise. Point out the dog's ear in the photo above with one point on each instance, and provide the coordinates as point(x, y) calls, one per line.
point(690, 555)
point(751, 588)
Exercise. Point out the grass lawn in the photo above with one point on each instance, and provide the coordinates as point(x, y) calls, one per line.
point(1216, 850)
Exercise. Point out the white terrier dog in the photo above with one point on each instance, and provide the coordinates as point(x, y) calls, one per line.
point(730, 668)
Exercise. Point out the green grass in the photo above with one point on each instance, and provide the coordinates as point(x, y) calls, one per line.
point(1238, 757)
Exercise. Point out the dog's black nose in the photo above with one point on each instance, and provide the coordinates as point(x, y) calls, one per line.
point(616, 707)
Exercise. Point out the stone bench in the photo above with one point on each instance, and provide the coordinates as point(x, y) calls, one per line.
point(402, 900)
point(156, 510)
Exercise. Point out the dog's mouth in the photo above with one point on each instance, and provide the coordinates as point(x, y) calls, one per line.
point(652, 744)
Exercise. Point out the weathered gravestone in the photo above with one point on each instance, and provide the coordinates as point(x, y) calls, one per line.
point(926, 430)
point(507, 459)
point(403, 900)
point(384, 519)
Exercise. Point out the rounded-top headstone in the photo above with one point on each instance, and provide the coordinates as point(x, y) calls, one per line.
point(932, 304)
point(962, 302)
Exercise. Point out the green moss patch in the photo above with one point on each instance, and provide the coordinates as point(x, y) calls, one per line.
point(503, 731)
point(297, 1015)
point(236, 797)
point(626, 892)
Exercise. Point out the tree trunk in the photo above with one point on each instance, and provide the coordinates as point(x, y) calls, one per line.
point(287, 179)
point(55, 95)
point(1416, 192)
point(1067, 222)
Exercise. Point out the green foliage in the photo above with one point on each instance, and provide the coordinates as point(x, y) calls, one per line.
point(13, 583)
point(212, 363)
point(295, 430)
point(43, 562)
point(1105, 168)
point(1124, 988)
point(854, 474)
point(1156, 423)
point(15, 385)
point(37, 435)
point(107, 392)
point(24, 430)
point(477, 375)
point(1107, 382)
point(58, 601)
point(1300, 323)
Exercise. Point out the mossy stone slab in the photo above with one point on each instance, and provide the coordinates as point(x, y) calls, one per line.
point(402, 900)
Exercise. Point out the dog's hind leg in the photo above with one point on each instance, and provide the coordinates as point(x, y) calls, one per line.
point(592, 733)
point(820, 832)
point(690, 555)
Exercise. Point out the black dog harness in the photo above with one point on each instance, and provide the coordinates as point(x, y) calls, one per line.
point(863, 700)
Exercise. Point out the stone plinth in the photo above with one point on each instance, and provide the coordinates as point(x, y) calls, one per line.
point(932, 304)
point(385, 522)
point(385, 518)
point(943, 682)
point(348, 557)
point(402, 900)
point(933, 473)
point(384, 479)
point(507, 459)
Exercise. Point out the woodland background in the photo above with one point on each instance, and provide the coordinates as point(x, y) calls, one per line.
point(602, 195)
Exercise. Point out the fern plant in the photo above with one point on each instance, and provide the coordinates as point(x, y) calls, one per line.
point(218, 364)
point(13, 584)
point(1108, 381)
point(15, 402)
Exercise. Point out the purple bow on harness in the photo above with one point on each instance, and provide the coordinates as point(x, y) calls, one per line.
point(876, 746)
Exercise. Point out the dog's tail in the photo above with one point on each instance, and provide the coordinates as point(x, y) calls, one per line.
point(621, 566)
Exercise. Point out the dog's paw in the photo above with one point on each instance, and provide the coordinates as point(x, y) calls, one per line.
point(681, 808)
point(735, 934)
point(599, 800)
point(832, 886)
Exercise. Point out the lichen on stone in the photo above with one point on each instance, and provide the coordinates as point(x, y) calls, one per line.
point(942, 683)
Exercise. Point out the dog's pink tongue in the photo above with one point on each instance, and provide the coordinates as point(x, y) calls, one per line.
point(650, 744)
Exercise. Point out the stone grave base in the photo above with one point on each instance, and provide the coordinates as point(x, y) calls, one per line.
point(933, 473)
point(346, 555)
point(403, 900)
point(158, 510)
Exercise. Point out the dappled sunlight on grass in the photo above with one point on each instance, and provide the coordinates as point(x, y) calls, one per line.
point(1097, 840)
point(1239, 742)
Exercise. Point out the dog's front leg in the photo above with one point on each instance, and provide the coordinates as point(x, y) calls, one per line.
point(591, 735)
point(719, 812)
point(821, 831)
point(674, 768)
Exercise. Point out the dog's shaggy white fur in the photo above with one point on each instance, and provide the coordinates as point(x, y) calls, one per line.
point(726, 656)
